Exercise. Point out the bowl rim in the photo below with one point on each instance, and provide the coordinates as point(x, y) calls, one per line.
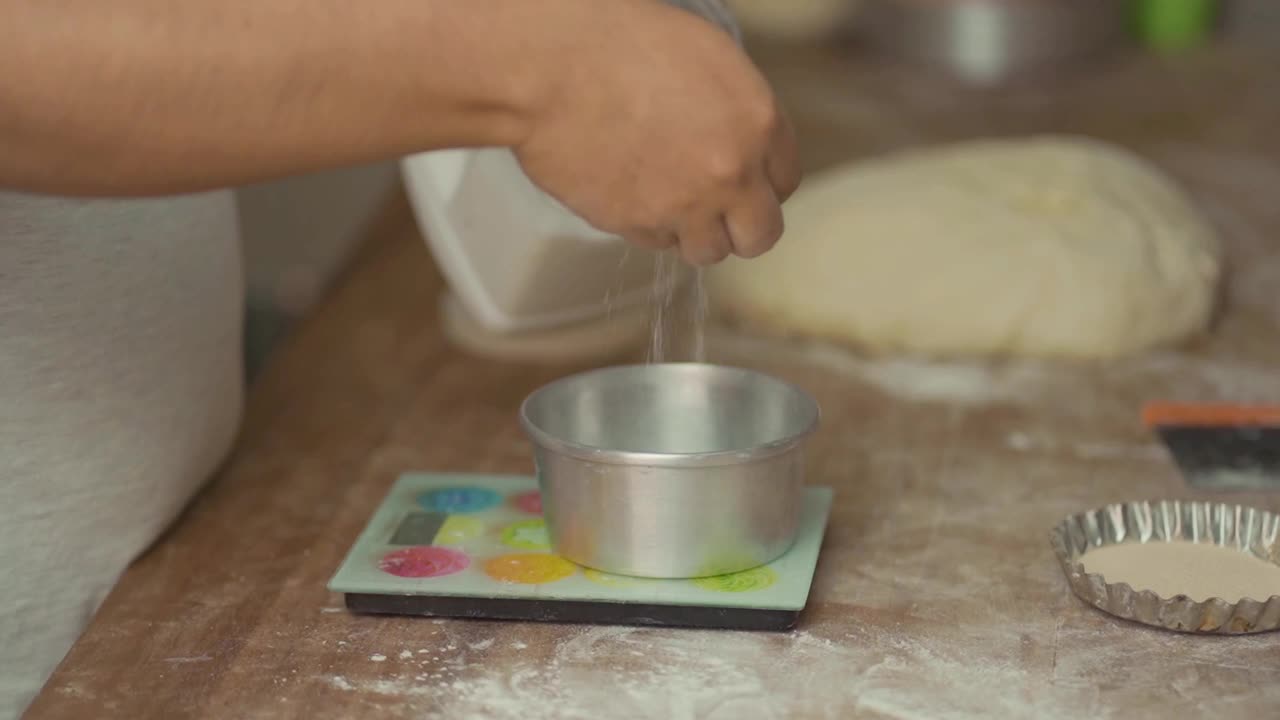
point(546, 441)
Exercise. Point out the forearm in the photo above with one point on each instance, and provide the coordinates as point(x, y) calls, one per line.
point(155, 96)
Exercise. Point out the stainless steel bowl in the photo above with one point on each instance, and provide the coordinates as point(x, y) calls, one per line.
point(990, 42)
point(671, 470)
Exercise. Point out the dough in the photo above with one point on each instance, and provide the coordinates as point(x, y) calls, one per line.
point(1199, 571)
point(792, 19)
point(1050, 246)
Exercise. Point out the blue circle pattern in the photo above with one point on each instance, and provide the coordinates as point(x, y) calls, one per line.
point(460, 500)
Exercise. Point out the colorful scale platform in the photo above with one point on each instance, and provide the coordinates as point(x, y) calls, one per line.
point(475, 546)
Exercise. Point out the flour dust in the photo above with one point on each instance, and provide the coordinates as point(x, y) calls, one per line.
point(700, 307)
point(665, 278)
point(829, 672)
point(618, 287)
point(665, 325)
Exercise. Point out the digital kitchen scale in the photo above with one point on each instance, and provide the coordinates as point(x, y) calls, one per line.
point(476, 546)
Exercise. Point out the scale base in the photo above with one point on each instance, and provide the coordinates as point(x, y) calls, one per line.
point(576, 612)
point(476, 547)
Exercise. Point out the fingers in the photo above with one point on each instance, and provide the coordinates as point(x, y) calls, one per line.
point(705, 240)
point(782, 161)
point(755, 223)
point(749, 219)
point(752, 225)
point(652, 239)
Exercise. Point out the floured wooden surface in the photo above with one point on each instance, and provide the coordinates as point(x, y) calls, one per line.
point(937, 595)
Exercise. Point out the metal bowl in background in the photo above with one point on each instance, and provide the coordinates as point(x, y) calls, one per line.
point(1253, 23)
point(676, 470)
point(991, 42)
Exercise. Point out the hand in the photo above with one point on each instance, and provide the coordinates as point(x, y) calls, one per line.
point(658, 128)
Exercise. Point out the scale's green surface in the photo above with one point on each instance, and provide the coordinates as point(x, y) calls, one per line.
point(459, 545)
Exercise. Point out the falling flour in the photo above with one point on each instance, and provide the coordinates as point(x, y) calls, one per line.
point(1198, 570)
point(666, 278)
point(613, 292)
point(700, 307)
point(664, 289)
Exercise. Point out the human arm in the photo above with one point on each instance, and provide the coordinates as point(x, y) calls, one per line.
point(142, 97)
point(642, 118)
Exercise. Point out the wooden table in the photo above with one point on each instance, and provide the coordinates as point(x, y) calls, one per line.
point(937, 595)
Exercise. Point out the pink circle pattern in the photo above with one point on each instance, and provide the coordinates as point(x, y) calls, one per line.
point(424, 562)
point(530, 502)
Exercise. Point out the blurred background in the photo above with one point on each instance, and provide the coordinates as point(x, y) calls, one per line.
point(867, 76)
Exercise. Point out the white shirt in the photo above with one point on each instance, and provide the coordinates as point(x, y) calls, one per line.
point(120, 392)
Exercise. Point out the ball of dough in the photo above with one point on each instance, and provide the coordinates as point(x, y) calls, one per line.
point(1045, 247)
point(794, 19)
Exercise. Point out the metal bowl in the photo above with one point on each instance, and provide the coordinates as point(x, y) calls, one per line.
point(992, 42)
point(676, 470)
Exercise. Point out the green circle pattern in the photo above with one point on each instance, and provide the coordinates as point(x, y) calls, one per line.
point(527, 535)
point(739, 582)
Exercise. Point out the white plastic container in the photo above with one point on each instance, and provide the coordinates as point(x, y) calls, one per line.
point(515, 258)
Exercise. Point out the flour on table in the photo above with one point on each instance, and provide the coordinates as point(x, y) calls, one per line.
point(712, 675)
point(1023, 442)
point(1198, 570)
point(954, 382)
point(192, 659)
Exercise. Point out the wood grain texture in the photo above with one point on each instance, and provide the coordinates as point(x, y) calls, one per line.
point(937, 594)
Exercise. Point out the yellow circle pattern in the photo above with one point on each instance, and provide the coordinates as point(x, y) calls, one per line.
point(529, 568)
point(458, 529)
